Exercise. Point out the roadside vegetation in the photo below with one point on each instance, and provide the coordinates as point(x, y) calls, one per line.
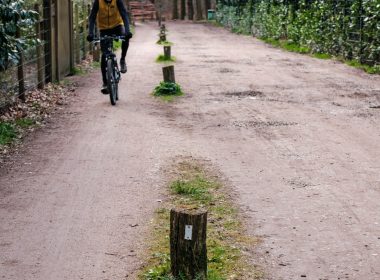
point(20, 118)
point(346, 30)
point(193, 186)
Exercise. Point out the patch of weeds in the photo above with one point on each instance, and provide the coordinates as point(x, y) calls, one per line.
point(167, 91)
point(367, 68)
point(95, 64)
point(7, 133)
point(322, 56)
point(78, 71)
point(25, 122)
point(193, 187)
point(164, 43)
point(292, 47)
point(163, 58)
point(271, 41)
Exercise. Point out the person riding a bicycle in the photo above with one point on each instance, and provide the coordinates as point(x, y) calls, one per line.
point(111, 18)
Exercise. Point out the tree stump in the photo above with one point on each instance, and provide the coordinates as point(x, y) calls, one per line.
point(168, 72)
point(188, 251)
point(167, 52)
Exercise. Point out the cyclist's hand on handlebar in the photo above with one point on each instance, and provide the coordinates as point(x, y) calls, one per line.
point(129, 35)
point(90, 37)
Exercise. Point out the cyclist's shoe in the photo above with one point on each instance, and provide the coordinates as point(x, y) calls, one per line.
point(123, 66)
point(104, 89)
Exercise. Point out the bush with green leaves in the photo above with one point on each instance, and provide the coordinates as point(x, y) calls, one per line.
point(347, 28)
point(14, 16)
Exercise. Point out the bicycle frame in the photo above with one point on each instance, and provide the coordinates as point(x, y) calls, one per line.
point(113, 74)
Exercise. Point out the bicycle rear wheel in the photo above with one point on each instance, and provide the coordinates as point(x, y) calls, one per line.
point(111, 82)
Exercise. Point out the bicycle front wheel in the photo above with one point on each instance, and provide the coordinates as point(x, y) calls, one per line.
point(111, 82)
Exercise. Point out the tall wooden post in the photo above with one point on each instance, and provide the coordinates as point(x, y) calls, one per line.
point(183, 9)
point(175, 9)
point(47, 40)
point(77, 35)
point(188, 250)
point(190, 9)
point(40, 63)
point(20, 70)
point(168, 72)
point(84, 27)
point(72, 45)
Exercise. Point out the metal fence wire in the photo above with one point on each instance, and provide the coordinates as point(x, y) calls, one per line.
point(36, 66)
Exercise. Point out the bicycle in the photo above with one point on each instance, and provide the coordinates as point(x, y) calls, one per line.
point(112, 69)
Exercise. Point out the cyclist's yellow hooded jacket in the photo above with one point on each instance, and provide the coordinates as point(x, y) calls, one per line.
point(108, 15)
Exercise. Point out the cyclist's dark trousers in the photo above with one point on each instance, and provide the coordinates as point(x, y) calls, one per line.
point(116, 31)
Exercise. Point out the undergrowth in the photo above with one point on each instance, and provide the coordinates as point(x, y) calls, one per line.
point(10, 130)
point(192, 187)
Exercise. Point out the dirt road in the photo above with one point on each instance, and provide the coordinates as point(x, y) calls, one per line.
point(297, 138)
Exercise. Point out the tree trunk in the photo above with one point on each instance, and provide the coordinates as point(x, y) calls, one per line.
point(183, 9)
point(188, 251)
point(190, 9)
point(175, 9)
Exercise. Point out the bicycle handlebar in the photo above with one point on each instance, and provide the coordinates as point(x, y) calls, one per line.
point(107, 37)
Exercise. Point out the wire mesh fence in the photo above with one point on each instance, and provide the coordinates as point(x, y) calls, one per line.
point(38, 64)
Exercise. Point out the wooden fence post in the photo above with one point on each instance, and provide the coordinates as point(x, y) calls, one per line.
point(40, 63)
point(20, 71)
point(188, 250)
point(47, 40)
point(77, 35)
point(84, 27)
point(168, 72)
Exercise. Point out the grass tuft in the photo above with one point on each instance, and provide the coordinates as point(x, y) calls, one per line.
point(163, 58)
point(322, 56)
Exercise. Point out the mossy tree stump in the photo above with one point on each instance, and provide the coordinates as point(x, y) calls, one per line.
point(188, 251)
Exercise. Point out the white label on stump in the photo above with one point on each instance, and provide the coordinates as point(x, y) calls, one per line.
point(188, 232)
